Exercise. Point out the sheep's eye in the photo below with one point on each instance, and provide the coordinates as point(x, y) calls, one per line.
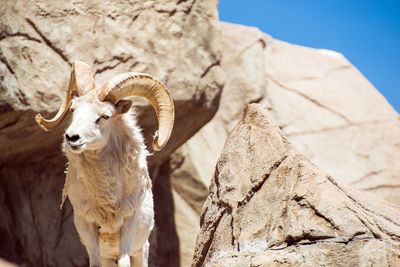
point(102, 117)
point(71, 109)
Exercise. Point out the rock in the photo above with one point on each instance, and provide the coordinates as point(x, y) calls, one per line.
point(176, 41)
point(192, 165)
point(36, 231)
point(181, 209)
point(334, 116)
point(245, 83)
point(369, 153)
point(40, 40)
point(270, 206)
point(167, 246)
point(251, 60)
point(318, 99)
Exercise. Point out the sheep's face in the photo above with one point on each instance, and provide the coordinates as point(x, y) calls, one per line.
point(91, 122)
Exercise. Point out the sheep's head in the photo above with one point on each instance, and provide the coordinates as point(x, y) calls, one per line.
point(95, 108)
point(92, 121)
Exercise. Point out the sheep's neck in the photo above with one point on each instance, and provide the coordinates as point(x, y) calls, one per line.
point(111, 177)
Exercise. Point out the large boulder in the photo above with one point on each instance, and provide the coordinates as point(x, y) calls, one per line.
point(328, 110)
point(270, 206)
point(334, 116)
point(316, 96)
point(192, 165)
point(340, 122)
point(176, 41)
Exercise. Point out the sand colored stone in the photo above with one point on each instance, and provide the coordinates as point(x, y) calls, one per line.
point(269, 205)
point(323, 104)
point(176, 41)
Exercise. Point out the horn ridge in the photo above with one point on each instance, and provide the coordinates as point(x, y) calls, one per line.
point(150, 88)
point(81, 81)
point(51, 124)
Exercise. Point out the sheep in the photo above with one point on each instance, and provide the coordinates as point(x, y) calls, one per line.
point(107, 179)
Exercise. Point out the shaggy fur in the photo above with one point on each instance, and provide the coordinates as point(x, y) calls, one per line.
point(109, 186)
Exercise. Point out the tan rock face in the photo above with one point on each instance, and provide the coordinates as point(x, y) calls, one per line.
point(186, 194)
point(322, 103)
point(334, 116)
point(328, 110)
point(268, 205)
point(176, 41)
point(192, 165)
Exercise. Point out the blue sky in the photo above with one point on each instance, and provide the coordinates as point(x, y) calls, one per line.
point(367, 32)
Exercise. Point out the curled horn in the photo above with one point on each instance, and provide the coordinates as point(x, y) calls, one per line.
point(153, 90)
point(81, 81)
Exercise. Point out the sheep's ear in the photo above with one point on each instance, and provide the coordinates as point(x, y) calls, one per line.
point(123, 106)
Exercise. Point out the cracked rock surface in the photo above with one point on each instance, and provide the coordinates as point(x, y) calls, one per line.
point(269, 205)
point(333, 115)
point(191, 166)
point(326, 108)
point(322, 103)
point(176, 41)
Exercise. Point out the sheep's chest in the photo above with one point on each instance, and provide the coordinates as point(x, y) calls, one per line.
point(105, 201)
point(105, 208)
point(85, 206)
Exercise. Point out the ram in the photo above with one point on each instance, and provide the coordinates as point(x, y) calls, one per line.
point(107, 178)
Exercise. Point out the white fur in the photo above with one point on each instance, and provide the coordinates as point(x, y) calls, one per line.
point(108, 184)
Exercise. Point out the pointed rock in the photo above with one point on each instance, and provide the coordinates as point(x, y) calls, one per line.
point(269, 205)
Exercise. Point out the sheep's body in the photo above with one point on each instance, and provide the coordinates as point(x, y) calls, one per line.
point(110, 191)
point(107, 179)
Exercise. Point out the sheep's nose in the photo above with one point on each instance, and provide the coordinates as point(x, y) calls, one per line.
point(72, 138)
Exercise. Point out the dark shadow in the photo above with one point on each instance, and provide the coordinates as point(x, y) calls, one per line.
point(164, 249)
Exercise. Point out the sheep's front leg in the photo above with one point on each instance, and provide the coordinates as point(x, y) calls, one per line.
point(88, 233)
point(107, 262)
point(127, 235)
point(141, 257)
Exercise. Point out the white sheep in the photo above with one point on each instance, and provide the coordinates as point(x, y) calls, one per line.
point(107, 179)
